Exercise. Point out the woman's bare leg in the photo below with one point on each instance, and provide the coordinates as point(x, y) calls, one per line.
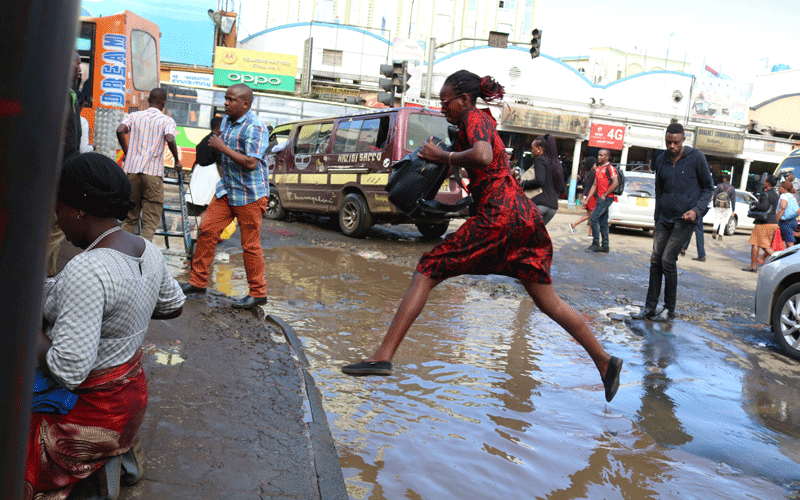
point(546, 299)
point(582, 219)
point(412, 304)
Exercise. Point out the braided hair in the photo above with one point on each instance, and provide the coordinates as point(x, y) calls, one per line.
point(466, 82)
point(95, 184)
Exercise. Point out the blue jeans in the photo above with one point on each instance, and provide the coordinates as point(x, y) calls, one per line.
point(668, 240)
point(699, 237)
point(599, 221)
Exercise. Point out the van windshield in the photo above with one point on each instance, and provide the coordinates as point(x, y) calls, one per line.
point(421, 126)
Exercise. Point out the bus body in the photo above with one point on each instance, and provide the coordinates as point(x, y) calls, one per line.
point(120, 66)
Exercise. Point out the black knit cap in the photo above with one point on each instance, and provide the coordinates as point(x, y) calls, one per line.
point(95, 184)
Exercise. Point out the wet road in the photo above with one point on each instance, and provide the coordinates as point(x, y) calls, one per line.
point(491, 399)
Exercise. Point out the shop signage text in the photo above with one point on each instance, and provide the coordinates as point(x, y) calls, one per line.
point(607, 136)
point(722, 141)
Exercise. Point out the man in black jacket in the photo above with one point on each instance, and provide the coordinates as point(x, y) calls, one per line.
point(683, 191)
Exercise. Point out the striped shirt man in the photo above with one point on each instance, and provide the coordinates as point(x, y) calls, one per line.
point(148, 131)
point(248, 136)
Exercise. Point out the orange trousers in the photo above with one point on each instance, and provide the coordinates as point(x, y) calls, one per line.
point(218, 215)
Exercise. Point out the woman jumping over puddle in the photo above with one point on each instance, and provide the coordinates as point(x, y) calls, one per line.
point(506, 234)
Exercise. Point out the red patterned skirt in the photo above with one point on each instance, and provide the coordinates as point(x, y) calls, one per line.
point(506, 236)
point(63, 449)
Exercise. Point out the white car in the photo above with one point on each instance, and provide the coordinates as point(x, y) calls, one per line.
point(739, 218)
point(636, 206)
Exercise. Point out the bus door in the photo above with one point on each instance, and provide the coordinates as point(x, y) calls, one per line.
point(310, 188)
point(120, 65)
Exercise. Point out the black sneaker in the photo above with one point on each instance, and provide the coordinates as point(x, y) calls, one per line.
point(664, 315)
point(593, 248)
point(603, 250)
point(644, 314)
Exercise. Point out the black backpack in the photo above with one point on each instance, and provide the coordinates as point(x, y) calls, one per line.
point(621, 186)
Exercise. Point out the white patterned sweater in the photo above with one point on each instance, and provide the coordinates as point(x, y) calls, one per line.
point(99, 309)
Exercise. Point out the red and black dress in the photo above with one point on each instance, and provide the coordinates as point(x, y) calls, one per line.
point(507, 235)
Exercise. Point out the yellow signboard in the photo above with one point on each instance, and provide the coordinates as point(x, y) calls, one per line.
point(259, 70)
point(722, 141)
point(522, 116)
point(255, 61)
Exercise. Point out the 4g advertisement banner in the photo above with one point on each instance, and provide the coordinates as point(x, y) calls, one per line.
point(606, 136)
point(258, 70)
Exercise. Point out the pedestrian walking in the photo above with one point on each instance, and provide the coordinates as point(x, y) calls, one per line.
point(724, 201)
point(589, 166)
point(787, 212)
point(606, 181)
point(91, 393)
point(143, 161)
point(241, 194)
point(506, 235)
point(764, 228)
point(683, 192)
point(546, 180)
point(699, 238)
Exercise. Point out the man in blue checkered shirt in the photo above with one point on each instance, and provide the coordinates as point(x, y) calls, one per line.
point(242, 193)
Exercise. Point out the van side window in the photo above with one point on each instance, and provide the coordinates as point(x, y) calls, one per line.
point(306, 137)
point(347, 136)
point(373, 134)
point(324, 137)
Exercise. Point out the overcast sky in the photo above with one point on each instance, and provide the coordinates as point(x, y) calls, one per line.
point(732, 36)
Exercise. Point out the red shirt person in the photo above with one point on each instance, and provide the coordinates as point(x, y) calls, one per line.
point(605, 182)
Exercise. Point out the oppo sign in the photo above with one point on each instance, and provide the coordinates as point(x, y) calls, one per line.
point(254, 79)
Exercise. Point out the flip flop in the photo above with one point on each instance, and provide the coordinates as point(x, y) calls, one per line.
point(749, 270)
point(611, 380)
point(368, 368)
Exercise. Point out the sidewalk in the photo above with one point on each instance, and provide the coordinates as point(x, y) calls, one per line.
point(233, 412)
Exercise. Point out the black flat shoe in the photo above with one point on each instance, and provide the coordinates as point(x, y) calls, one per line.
point(189, 288)
point(249, 302)
point(664, 315)
point(644, 314)
point(611, 380)
point(368, 368)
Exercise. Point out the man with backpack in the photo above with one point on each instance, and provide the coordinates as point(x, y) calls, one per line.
point(724, 201)
point(605, 184)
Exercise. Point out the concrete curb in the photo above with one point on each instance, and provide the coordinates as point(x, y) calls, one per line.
point(330, 479)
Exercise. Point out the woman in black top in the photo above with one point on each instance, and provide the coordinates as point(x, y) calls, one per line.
point(764, 230)
point(549, 176)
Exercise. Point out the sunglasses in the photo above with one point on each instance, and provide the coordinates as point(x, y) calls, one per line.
point(445, 102)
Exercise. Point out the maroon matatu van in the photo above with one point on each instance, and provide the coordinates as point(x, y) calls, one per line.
point(340, 166)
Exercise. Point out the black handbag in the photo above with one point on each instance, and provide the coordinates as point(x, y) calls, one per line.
point(414, 183)
point(756, 214)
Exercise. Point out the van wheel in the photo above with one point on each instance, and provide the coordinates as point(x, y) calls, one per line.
point(786, 320)
point(275, 210)
point(730, 227)
point(432, 230)
point(354, 217)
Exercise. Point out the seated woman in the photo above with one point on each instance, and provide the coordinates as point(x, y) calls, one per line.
point(96, 314)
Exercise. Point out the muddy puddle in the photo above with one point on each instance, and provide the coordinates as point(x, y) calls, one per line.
point(490, 399)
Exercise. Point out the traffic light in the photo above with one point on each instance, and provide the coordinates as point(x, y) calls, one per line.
point(386, 84)
point(400, 76)
point(536, 43)
point(396, 81)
